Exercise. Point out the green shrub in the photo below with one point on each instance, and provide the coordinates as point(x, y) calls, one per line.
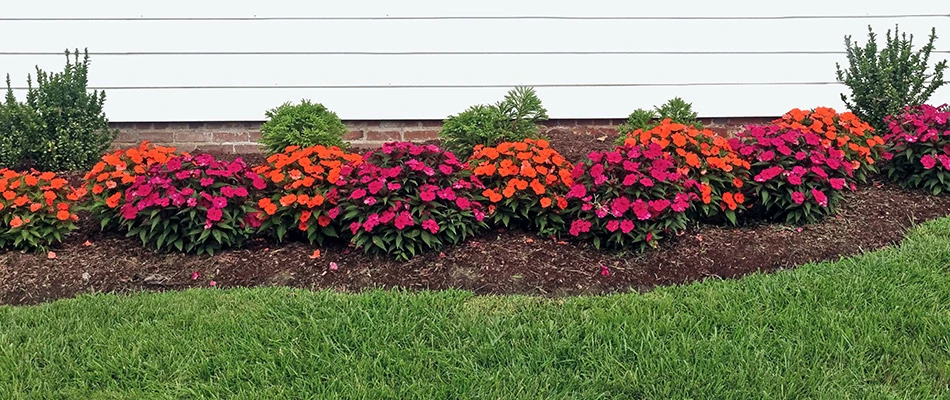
point(305, 125)
point(63, 125)
point(883, 83)
point(676, 110)
point(16, 122)
point(513, 119)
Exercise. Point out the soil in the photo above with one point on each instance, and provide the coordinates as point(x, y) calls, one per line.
point(500, 262)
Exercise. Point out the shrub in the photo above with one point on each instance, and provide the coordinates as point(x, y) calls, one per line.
point(846, 132)
point(706, 158)
point(64, 124)
point(676, 110)
point(513, 119)
point(406, 198)
point(303, 191)
point(304, 125)
point(36, 209)
point(884, 82)
point(918, 140)
point(108, 180)
point(17, 123)
point(192, 204)
point(632, 196)
point(796, 176)
point(525, 183)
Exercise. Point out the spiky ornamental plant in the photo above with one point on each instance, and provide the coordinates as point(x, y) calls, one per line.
point(884, 82)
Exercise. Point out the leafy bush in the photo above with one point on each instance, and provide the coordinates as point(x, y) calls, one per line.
point(846, 132)
point(525, 183)
point(406, 198)
point(796, 176)
point(192, 204)
point(63, 125)
point(884, 81)
point(632, 196)
point(36, 209)
point(303, 191)
point(108, 180)
point(707, 158)
point(513, 119)
point(918, 140)
point(676, 110)
point(17, 123)
point(304, 125)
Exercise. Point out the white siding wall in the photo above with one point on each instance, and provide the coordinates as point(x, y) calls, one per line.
point(246, 77)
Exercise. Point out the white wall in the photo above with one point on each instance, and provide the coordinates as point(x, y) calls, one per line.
point(192, 85)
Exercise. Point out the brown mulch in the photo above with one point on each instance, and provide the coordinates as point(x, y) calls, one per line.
point(502, 262)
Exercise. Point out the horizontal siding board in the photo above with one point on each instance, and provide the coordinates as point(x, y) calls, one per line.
point(272, 74)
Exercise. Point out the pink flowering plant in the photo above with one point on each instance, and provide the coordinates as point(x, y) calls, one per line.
point(406, 198)
point(194, 204)
point(919, 148)
point(795, 176)
point(631, 196)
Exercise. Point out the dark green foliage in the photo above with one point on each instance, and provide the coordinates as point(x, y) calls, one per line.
point(511, 120)
point(884, 82)
point(676, 110)
point(61, 126)
point(305, 124)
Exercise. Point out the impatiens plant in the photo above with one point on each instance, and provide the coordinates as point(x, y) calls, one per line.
point(302, 196)
point(525, 183)
point(919, 148)
point(192, 204)
point(405, 198)
point(705, 157)
point(36, 209)
point(846, 132)
point(796, 176)
point(633, 196)
point(108, 180)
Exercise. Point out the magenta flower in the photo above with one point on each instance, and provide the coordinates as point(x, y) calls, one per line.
point(626, 226)
point(206, 182)
point(215, 214)
point(837, 183)
point(820, 197)
point(579, 226)
point(431, 226)
point(613, 225)
point(798, 197)
point(219, 202)
point(358, 194)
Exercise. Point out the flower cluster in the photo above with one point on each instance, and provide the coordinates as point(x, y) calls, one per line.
point(404, 198)
point(706, 157)
point(36, 209)
point(108, 180)
point(303, 191)
point(845, 132)
point(919, 148)
point(525, 183)
point(796, 176)
point(634, 195)
point(192, 204)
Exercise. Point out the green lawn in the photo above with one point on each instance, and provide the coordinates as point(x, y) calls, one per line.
point(876, 326)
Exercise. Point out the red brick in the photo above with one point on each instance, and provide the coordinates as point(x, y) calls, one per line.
point(431, 123)
point(421, 135)
point(215, 148)
point(193, 137)
point(151, 136)
point(229, 137)
point(189, 147)
point(353, 135)
point(254, 136)
point(383, 136)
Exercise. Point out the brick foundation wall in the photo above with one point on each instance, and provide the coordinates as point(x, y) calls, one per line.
point(241, 137)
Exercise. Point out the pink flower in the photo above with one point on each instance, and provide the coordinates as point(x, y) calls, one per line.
point(129, 211)
point(212, 283)
point(369, 201)
point(798, 197)
point(641, 210)
point(354, 227)
point(446, 194)
point(462, 203)
point(445, 169)
point(630, 179)
point(613, 225)
point(195, 275)
point(837, 183)
point(173, 164)
point(649, 237)
point(240, 192)
point(334, 266)
point(358, 194)
point(227, 191)
point(403, 220)
point(207, 182)
point(619, 206)
point(801, 155)
point(219, 202)
point(794, 179)
point(604, 271)
point(579, 226)
point(577, 191)
point(375, 186)
point(191, 202)
point(657, 206)
point(214, 214)
point(431, 226)
point(820, 197)
point(427, 195)
point(928, 161)
point(393, 185)
point(626, 226)
point(646, 182)
point(767, 156)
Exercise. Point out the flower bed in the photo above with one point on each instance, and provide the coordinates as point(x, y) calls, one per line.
point(919, 148)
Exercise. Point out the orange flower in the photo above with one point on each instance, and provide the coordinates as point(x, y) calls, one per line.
point(30, 180)
point(62, 215)
point(9, 195)
point(113, 201)
point(16, 222)
point(20, 201)
point(324, 220)
point(287, 200)
point(545, 202)
point(537, 187)
point(97, 189)
point(492, 195)
point(739, 198)
point(35, 207)
point(737, 183)
point(305, 216)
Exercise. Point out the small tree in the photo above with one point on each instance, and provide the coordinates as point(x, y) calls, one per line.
point(883, 83)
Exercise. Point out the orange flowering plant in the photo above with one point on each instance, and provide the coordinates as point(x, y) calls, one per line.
point(703, 156)
point(108, 180)
point(302, 191)
point(36, 209)
point(525, 183)
point(845, 131)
